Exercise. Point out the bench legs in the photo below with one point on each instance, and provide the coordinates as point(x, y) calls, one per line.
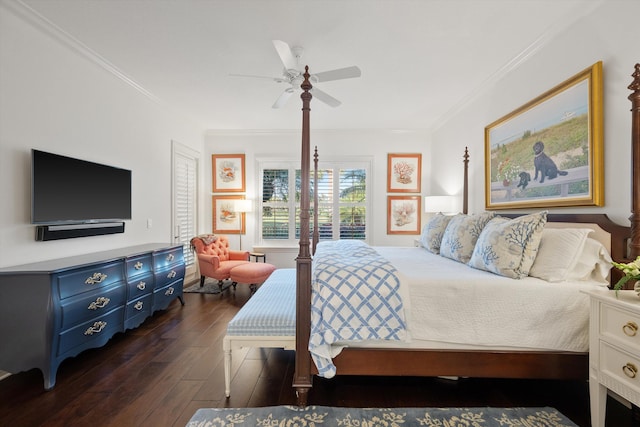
point(226, 348)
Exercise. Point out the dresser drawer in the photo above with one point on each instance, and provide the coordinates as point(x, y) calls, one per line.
point(163, 296)
point(142, 305)
point(140, 286)
point(139, 265)
point(169, 275)
point(622, 325)
point(92, 333)
point(89, 305)
point(167, 258)
point(620, 365)
point(74, 282)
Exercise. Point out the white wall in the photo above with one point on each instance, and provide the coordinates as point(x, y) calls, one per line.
point(331, 145)
point(55, 98)
point(609, 33)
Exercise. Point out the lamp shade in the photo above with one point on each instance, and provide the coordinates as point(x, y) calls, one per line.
point(434, 204)
point(243, 205)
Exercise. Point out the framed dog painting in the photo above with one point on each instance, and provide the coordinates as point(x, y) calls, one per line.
point(549, 152)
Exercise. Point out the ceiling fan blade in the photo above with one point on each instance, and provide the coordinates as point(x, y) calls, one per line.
point(275, 79)
point(283, 98)
point(285, 54)
point(324, 97)
point(341, 73)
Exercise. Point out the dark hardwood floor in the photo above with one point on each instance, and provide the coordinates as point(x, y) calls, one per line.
point(160, 373)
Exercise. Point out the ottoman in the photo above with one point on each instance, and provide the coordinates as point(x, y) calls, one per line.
point(253, 273)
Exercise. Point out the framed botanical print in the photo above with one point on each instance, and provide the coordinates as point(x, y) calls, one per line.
point(225, 218)
point(549, 152)
point(404, 173)
point(228, 173)
point(403, 214)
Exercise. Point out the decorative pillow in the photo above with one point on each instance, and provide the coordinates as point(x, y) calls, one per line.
point(432, 232)
point(559, 252)
point(461, 235)
point(508, 247)
point(593, 264)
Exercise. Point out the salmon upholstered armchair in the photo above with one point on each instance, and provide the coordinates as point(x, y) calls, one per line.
point(215, 259)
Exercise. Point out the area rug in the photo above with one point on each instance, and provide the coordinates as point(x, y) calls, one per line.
point(210, 287)
point(382, 417)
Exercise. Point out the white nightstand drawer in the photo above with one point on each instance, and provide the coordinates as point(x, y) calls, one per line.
point(622, 367)
point(620, 324)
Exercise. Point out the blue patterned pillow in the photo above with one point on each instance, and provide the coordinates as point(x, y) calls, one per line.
point(461, 235)
point(431, 237)
point(508, 247)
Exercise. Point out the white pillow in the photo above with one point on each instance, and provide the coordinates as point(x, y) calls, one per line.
point(432, 232)
point(508, 247)
point(559, 252)
point(461, 235)
point(594, 264)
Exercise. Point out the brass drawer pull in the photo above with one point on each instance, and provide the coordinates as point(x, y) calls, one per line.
point(138, 265)
point(95, 279)
point(96, 328)
point(141, 286)
point(100, 302)
point(630, 329)
point(169, 292)
point(630, 370)
point(172, 274)
point(138, 305)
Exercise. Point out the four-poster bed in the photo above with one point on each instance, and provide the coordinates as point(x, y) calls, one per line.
point(500, 363)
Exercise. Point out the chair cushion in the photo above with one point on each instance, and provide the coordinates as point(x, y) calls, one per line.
point(252, 272)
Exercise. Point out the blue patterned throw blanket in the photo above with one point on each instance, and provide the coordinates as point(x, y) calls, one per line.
point(355, 297)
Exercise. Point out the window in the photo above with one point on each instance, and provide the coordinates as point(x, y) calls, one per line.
point(342, 200)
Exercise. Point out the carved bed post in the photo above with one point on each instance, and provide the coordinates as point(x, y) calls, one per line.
point(465, 188)
point(635, 164)
point(302, 376)
point(316, 232)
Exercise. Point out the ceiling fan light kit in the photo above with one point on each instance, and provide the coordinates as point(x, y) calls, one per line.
point(293, 75)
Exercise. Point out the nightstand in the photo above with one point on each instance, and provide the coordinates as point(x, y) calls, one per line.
point(614, 349)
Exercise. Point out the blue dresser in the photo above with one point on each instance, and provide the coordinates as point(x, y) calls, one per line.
point(55, 309)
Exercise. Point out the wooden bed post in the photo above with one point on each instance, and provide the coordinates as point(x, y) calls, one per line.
point(635, 164)
point(302, 375)
point(465, 188)
point(316, 232)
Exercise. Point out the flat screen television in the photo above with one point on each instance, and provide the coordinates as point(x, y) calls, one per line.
point(65, 190)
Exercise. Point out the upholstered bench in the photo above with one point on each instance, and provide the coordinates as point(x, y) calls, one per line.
point(253, 274)
point(267, 320)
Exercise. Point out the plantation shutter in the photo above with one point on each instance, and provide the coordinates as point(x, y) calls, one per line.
point(185, 172)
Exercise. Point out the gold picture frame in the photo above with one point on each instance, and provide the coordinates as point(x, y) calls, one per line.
point(403, 214)
point(568, 168)
point(404, 172)
point(225, 219)
point(228, 173)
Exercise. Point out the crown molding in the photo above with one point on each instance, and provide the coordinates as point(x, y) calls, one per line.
point(545, 38)
point(41, 22)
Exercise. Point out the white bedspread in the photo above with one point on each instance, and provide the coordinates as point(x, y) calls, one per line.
point(459, 305)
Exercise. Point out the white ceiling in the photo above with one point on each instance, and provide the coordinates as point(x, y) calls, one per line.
point(420, 59)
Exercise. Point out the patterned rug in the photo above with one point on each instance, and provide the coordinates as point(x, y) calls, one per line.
point(379, 417)
point(210, 287)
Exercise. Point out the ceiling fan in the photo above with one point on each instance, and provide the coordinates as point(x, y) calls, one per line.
point(293, 76)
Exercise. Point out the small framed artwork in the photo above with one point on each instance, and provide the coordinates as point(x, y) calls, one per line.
point(225, 218)
point(228, 173)
point(549, 152)
point(403, 214)
point(404, 173)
